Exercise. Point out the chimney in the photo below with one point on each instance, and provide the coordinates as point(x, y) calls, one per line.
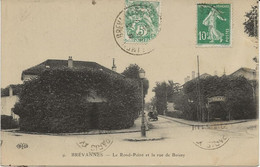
point(70, 62)
point(10, 91)
point(114, 66)
point(193, 75)
point(188, 78)
point(185, 79)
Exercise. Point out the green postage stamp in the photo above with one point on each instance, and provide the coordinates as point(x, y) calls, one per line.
point(214, 24)
point(142, 21)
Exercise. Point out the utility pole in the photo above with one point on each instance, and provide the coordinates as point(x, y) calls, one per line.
point(142, 76)
point(199, 107)
point(164, 113)
point(255, 27)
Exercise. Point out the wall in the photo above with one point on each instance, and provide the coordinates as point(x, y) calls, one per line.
point(7, 103)
point(94, 98)
point(247, 75)
point(170, 107)
point(28, 77)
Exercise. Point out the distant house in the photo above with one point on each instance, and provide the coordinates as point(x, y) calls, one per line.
point(9, 96)
point(248, 73)
point(170, 107)
point(205, 75)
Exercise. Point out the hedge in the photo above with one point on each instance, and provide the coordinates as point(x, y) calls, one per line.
point(16, 90)
point(7, 122)
point(56, 102)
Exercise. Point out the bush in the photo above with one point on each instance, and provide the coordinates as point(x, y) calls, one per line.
point(56, 101)
point(7, 122)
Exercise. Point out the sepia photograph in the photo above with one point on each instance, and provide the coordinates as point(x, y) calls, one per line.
point(129, 83)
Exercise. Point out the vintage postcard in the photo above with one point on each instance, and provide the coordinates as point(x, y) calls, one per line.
point(129, 83)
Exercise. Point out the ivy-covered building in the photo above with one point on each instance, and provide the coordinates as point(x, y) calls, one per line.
point(35, 71)
point(55, 64)
point(75, 96)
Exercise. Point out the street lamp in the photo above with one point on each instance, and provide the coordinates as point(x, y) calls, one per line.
point(141, 76)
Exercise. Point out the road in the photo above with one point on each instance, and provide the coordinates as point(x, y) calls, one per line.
point(182, 144)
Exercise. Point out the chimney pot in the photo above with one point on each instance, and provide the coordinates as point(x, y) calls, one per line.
point(10, 91)
point(193, 75)
point(114, 66)
point(70, 62)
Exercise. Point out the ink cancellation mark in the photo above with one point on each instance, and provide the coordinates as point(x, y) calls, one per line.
point(211, 136)
point(141, 21)
point(96, 147)
point(212, 144)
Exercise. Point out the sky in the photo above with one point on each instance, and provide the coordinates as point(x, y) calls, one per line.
point(36, 30)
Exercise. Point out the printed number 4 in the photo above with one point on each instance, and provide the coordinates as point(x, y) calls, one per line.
point(202, 35)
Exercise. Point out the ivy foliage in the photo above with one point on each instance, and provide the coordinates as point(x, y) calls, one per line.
point(57, 101)
point(240, 98)
point(7, 122)
point(16, 90)
point(238, 91)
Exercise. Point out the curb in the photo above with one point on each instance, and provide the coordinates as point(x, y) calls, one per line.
point(206, 124)
point(70, 134)
point(100, 132)
point(144, 139)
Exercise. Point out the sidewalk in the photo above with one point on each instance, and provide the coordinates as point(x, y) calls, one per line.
point(135, 128)
point(194, 123)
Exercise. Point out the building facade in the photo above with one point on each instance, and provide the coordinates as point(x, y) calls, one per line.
point(8, 102)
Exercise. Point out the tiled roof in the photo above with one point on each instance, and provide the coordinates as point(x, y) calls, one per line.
point(205, 75)
point(244, 69)
point(59, 64)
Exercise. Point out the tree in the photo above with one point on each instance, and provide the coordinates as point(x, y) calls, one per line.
point(132, 71)
point(165, 92)
point(251, 23)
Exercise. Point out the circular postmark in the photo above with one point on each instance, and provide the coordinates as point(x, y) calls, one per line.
point(210, 136)
point(97, 146)
point(214, 144)
point(136, 26)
